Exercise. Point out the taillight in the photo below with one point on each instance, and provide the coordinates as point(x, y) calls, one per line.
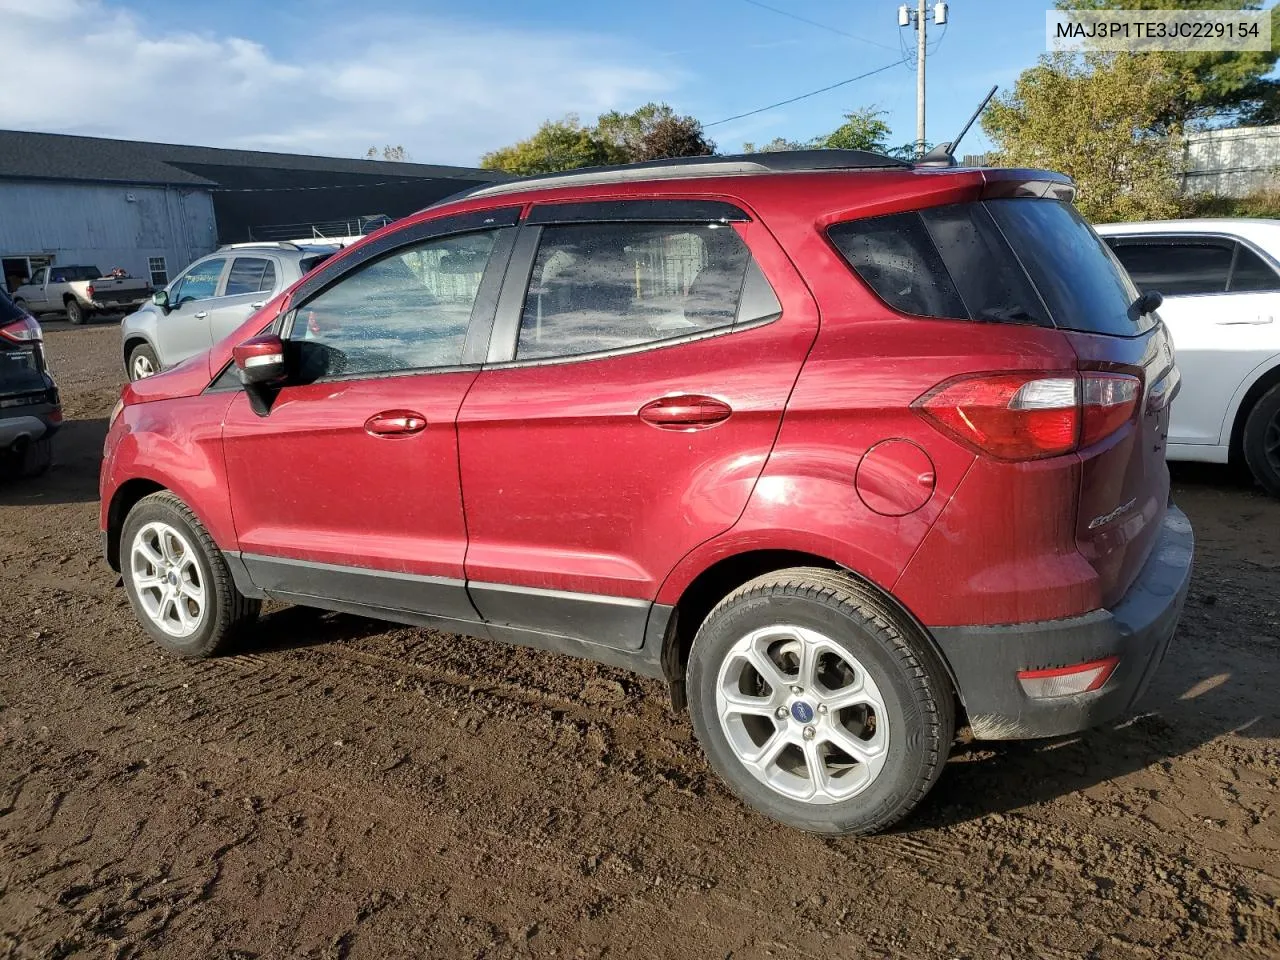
point(1028, 416)
point(89, 291)
point(25, 330)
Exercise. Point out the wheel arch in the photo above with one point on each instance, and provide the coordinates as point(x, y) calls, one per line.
point(132, 342)
point(728, 573)
point(1262, 383)
point(123, 500)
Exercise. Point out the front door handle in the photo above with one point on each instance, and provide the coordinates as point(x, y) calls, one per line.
point(395, 423)
point(685, 412)
point(201, 315)
point(258, 306)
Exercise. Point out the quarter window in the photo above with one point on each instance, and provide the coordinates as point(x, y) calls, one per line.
point(250, 275)
point(200, 282)
point(406, 311)
point(1251, 273)
point(1177, 268)
point(606, 286)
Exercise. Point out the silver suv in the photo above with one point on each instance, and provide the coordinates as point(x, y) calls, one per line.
point(210, 299)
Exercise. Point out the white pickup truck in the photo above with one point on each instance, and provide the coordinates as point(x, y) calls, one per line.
point(80, 291)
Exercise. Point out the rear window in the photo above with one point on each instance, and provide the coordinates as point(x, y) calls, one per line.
point(1007, 261)
point(1079, 278)
point(72, 274)
point(8, 312)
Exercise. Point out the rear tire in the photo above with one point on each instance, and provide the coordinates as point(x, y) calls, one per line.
point(1261, 441)
point(856, 726)
point(36, 459)
point(177, 580)
point(143, 362)
point(76, 313)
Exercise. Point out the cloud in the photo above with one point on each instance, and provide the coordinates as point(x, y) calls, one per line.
point(447, 91)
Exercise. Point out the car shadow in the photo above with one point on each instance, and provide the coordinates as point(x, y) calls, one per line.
point(73, 476)
point(287, 628)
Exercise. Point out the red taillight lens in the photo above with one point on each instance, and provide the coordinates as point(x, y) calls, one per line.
point(1013, 416)
point(25, 330)
point(1028, 416)
point(89, 291)
point(1110, 401)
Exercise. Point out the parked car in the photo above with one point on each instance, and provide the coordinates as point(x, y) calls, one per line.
point(209, 299)
point(30, 409)
point(1221, 285)
point(80, 292)
point(842, 448)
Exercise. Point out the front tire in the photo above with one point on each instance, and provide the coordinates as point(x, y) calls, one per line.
point(76, 313)
point(177, 580)
point(1261, 441)
point(819, 703)
point(143, 362)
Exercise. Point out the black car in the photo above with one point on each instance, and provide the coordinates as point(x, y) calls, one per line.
point(30, 409)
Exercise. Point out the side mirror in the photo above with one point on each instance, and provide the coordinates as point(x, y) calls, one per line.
point(161, 299)
point(260, 360)
point(1150, 300)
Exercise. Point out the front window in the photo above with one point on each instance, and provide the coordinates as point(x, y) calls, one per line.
point(199, 283)
point(406, 311)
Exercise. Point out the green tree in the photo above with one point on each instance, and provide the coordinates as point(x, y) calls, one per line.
point(1218, 85)
point(862, 130)
point(558, 145)
point(1100, 118)
point(776, 145)
point(652, 132)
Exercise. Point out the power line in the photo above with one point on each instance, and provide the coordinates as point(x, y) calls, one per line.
point(804, 96)
point(815, 23)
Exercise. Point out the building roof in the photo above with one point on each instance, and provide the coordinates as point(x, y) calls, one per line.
point(55, 156)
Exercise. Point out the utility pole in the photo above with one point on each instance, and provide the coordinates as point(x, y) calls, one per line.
point(920, 16)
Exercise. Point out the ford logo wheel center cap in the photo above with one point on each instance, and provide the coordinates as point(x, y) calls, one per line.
point(801, 711)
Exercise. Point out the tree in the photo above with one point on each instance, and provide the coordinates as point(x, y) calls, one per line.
point(1098, 118)
point(398, 153)
point(862, 130)
point(652, 132)
point(776, 145)
point(1219, 85)
point(558, 145)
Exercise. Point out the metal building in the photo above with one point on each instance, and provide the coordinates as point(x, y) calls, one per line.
point(152, 208)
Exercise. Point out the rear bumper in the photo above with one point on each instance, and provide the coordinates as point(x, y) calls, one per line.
point(26, 424)
point(986, 659)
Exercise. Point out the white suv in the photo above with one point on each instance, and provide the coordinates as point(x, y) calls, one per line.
point(1221, 285)
point(210, 299)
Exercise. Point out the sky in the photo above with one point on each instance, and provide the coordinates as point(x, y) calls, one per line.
point(450, 81)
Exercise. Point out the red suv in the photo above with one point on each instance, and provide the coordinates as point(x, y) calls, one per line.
point(844, 449)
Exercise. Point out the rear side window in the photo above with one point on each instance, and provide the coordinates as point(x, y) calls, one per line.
point(250, 275)
point(1009, 261)
point(607, 286)
point(1177, 268)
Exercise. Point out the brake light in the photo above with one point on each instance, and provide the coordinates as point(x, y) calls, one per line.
point(24, 330)
point(89, 291)
point(1029, 416)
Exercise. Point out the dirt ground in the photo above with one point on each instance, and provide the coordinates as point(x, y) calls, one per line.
point(345, 788)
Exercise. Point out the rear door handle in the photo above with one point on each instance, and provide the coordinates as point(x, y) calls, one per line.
point(395, 423)
point(685, 412)
point(201, 315)
point(258, 306)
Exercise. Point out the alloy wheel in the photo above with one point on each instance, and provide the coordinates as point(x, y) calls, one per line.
point(167, 579)
point(802, 714)
point(143, 367)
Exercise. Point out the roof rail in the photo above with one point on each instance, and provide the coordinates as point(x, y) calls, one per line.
point(279, 244)
point(781, 161)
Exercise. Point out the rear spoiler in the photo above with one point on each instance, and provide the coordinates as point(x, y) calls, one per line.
point(1002, 182)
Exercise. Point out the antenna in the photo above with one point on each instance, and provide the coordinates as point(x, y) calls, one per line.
point(944, 154)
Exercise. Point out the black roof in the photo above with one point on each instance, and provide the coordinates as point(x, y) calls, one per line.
point(55, 156)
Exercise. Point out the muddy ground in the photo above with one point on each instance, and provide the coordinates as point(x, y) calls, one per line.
point(348, 789)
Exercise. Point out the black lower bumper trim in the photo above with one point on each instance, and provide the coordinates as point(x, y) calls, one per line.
point(986, 659)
